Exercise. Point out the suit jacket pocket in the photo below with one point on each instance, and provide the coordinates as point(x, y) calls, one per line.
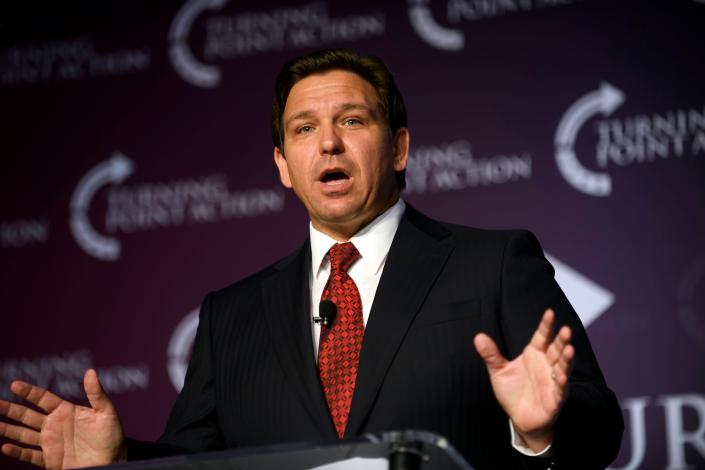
point(449, 312)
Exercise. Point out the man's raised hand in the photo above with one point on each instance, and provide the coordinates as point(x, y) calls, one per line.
point(531, 388)
point(64, 435)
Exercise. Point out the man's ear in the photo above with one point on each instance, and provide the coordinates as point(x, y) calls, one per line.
point(400, 144)
point(283, 166)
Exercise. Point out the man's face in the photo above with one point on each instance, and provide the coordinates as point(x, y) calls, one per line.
point(340, 157)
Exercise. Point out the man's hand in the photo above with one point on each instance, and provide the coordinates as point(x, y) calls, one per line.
point(65, 435)
point(532, 387)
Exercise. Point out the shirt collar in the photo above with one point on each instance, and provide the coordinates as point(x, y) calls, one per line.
point(373, 241)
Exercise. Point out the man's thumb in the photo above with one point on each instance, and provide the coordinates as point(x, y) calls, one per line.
point(489, 352)
point(94, 391)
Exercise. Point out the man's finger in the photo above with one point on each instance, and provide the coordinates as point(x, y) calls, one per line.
point(22, 414)
point(560, 372)
point(559, 390)
point(94, 391)
point(560, 377)
point(21, 434)
point(566, 361)
point(44, 399)
point(558, 344)
point(489, 352)
point(540, 339)
point(32, 456)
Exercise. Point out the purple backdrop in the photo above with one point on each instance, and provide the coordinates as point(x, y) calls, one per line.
point(137, 175)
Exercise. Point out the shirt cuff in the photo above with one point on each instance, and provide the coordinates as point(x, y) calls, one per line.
point(519, 444)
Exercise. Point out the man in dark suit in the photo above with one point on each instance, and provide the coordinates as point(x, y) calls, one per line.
point(410, 294)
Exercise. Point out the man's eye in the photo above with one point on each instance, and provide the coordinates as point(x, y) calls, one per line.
point(352, 122)
point(304, 129)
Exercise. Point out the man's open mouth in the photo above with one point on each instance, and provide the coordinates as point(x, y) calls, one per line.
point(333, 176)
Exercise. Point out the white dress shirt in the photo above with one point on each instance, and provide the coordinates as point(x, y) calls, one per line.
point(373, 243)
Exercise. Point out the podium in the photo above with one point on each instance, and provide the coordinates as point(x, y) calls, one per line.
point(393, 450)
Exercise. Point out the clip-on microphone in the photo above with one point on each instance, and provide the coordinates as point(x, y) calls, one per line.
point(326, 311)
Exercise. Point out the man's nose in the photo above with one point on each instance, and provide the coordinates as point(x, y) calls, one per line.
point(331, 142)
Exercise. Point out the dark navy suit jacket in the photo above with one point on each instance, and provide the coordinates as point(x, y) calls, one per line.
point(252, 379)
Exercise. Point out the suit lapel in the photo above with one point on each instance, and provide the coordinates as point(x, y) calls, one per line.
point(287, 311)
point(415, 259)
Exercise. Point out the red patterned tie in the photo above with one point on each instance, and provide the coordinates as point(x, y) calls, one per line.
point(339, 351)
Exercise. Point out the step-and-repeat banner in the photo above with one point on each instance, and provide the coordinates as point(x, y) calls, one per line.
point(136, 175)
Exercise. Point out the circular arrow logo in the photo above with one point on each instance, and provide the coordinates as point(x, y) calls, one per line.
point(434, 34)
point(185, 64)
point(601, 101)
point(114, 170)
point(179, 349)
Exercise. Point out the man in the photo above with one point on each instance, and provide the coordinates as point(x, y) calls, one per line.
point(410, 295)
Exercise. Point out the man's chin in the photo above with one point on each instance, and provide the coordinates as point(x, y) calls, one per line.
point(338, 218)
point(345, 212)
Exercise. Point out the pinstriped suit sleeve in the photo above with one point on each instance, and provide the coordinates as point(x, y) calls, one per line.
point(591, 416)
point(193, 424)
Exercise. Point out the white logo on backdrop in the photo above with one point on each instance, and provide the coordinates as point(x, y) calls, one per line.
point(152, 206)
point(622, 142)
point(74, 59)
point(430, 31)
point(63, 374)
point(114, 170)
point(452, 167)
point(179, 350)
point(457, 11)
point(23, 232)
point(186, 65)
point(602, 101)
point(684, 415)
point(230, 36)
point(589, 299)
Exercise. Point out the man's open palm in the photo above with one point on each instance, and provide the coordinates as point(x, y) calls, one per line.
point(64, 435)
point(531, 388)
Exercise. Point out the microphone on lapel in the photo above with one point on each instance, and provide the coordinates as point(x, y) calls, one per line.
point(326, 312)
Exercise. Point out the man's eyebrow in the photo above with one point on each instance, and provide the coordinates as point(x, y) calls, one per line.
point(352, 106)
point(306, 114)
point(301, 115)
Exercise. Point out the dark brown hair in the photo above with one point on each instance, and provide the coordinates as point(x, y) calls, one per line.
point(370, 68)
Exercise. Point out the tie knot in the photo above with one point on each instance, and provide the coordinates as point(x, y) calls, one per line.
point(342, 256)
